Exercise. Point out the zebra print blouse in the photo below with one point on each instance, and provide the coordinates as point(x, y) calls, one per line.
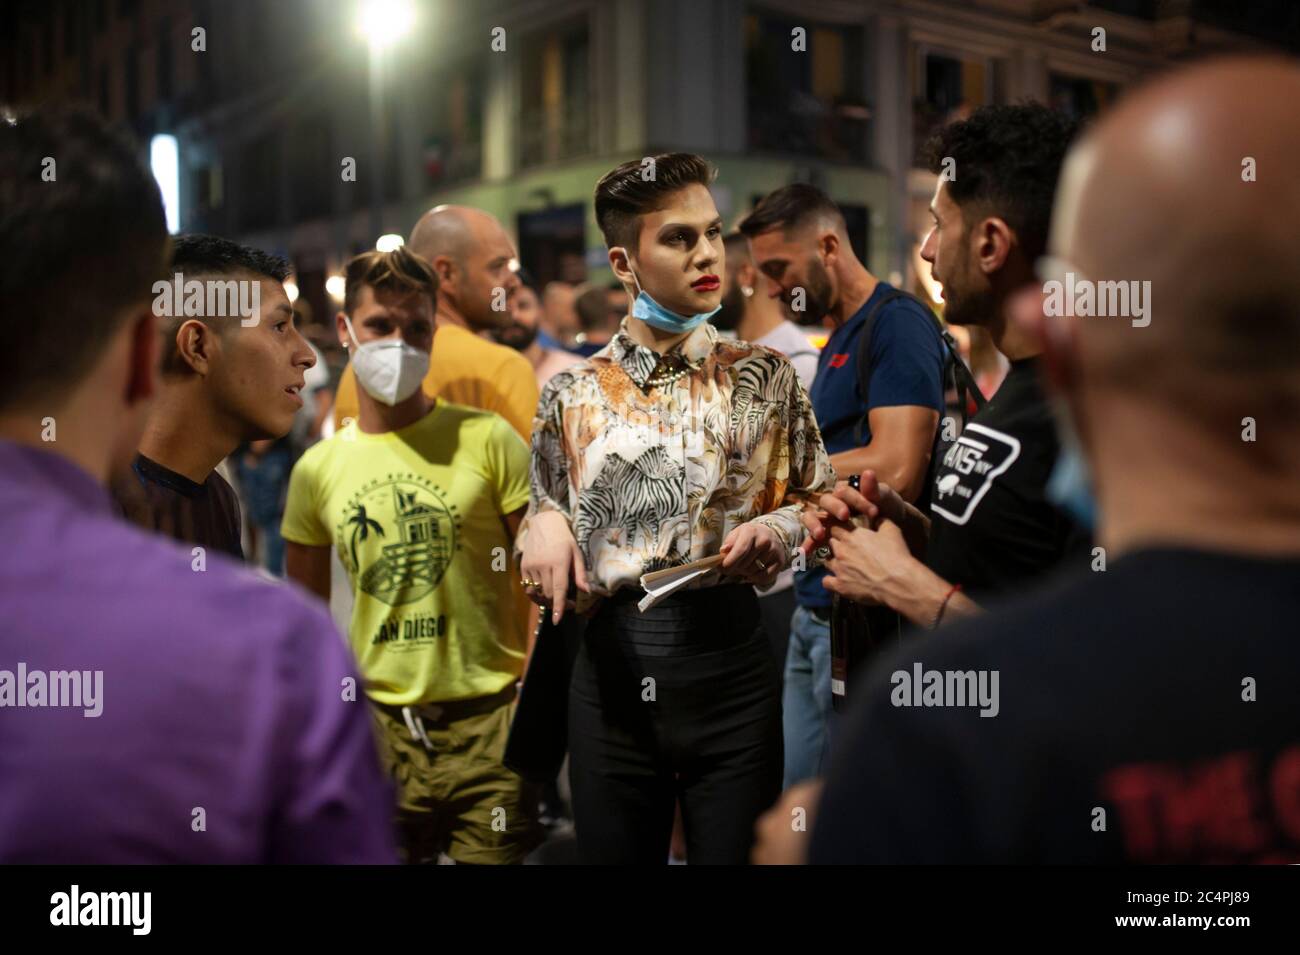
point(654, 476)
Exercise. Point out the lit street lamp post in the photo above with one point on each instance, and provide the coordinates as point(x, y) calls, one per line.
point(382, 23)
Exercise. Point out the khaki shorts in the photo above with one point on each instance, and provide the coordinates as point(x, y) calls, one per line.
point(454, 795)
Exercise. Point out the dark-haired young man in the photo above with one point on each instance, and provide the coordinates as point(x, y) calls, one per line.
point(169, 713)
point(669, 445)
point(229, 376)
point(798, 239)
point(991, 528)
point(421, 498)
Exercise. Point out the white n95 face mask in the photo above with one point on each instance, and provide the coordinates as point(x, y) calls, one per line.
point(389, 370)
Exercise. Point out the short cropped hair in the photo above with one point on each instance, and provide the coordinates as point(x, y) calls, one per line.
point(400, 271)
point(737, 246)
point(627, 192)
point(82, 236)
point(789, 208)
point(1007, 161)
point(196, 255)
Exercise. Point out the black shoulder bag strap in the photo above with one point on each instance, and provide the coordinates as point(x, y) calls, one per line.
point(962, 379)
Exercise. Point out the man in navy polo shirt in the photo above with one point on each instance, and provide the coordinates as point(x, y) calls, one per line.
point(799, 241)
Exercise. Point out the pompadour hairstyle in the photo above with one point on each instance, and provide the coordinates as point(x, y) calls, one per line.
point(624, 194)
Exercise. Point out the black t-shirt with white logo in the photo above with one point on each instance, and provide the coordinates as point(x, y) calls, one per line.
point(992, 528)
point(1145, 714)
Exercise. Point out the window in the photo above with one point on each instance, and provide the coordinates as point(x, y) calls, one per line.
point(259, 194)
point(1079, 98)
point(554, 122)
point(47, 45)
point(164, 91)
point(808, 103)
point(132, 87)
point(71, 26)
point(951, 88)
point(550, 241)
point(309, 195)
point(105, 100)
point(453, 147)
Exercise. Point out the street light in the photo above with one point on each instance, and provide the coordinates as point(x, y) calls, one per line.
point(164, 160)
point(382, 23)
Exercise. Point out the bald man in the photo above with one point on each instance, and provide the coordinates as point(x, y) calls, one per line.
point(472, 255)
point(1148, 713)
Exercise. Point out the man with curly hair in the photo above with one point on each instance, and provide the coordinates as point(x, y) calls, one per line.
point(991, 527)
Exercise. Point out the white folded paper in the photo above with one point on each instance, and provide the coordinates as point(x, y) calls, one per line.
point(660, 583)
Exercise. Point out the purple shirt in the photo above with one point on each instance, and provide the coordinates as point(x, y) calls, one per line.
point(223, 733)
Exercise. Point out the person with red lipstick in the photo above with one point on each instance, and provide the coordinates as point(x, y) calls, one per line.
point(668, 446)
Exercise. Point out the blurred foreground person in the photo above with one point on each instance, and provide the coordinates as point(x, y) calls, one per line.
point(1147, 713)
point(471, 255)
point(421, 499)
point(524, 336)
point(156, 707)
point(227, 379)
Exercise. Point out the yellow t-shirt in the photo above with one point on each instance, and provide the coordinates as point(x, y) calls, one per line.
point(416, 518)
point(466, 370)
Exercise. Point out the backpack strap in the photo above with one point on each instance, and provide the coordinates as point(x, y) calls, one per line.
point(962, 379)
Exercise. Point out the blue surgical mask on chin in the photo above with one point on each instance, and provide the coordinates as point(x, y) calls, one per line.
point(1070, 485)
point(656, 316)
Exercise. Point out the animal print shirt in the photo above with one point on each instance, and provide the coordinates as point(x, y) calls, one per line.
point(650, 477)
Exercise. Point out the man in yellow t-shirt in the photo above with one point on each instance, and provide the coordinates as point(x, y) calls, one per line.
point(471, 255)
point(421, 500)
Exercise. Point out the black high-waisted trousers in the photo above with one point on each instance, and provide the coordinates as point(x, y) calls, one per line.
point(681, 702)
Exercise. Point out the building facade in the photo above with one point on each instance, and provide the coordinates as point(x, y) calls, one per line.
point(294, 136)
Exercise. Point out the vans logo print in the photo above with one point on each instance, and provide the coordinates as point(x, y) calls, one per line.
point(978, 456)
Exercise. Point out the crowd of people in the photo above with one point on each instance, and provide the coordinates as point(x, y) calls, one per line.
point(1009, 586)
